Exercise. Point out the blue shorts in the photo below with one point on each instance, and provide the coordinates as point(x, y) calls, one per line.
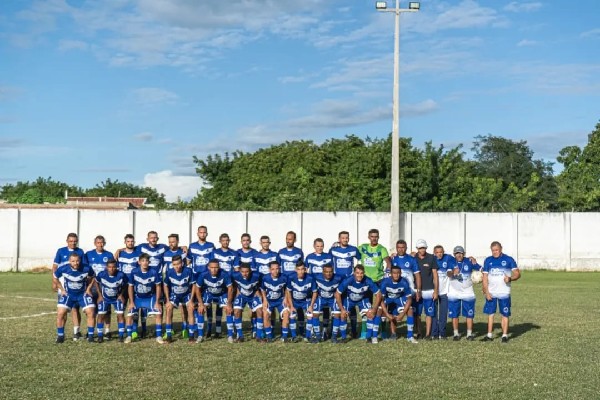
point(363, 305)
point(322, 303)
point(208, 299)
point(104, 306)
point(454, 308)
point(429, 306)
point(396, 306)
point(180, 299)
point(271, 307)
point(144, 303)
point(503, 304)
point(240, 302)
point(82, 301)
point(301, 305)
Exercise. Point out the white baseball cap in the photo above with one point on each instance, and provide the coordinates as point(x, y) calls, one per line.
point(421, 243)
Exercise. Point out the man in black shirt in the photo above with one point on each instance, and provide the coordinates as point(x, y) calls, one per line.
point(427, 294)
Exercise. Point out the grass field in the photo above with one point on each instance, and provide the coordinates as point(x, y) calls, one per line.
point(554, 353)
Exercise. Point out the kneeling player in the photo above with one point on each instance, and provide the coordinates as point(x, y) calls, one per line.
point(397, 299)
point(111, 284)
point(326, 285)
point(214, 287)
point(300, 293)
point(179, 283)
point(353, 293)
point(247, 285)
point(273, 294)
point(145, 291)
point(76, 292)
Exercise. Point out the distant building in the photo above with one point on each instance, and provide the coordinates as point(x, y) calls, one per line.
point(95, 203)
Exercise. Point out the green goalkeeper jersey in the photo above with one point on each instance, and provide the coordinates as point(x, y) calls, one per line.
point(372, 258)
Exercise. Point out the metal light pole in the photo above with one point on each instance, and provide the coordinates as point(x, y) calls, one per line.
point(395, 187)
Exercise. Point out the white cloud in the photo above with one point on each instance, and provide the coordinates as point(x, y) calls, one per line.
point(592, 33)
point(173, 186)
point(151, 96)
point(66, 45)
point(515, 6)
point(144, 137)
point(526, 42)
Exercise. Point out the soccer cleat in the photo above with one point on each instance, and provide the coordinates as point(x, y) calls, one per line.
point(297, 339)
point(128, 339)
point(217, 335)
point(456, 338)
point(134, 335)
point(60, 339)
point(101, 339)
point(229, 339)
point(160, 340)
point(184, 334)
point(77, 336)
point(443, 338)
point(471, 338)
point(334, 340)
point(108, 336)
point(90, 339)
point(191, 340)
point(253, 335)
point(412, 340)
point(200, 339)
point(169, 339)
point(314, 339)
point(208, 335)
point(487, 339)
point(393, 336)
point(121, 339)
point(305, 340)
point(504, 339)
point(429, 338)
point(374, 340)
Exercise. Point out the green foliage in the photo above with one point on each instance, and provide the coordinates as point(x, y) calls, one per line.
point(42, 190)
point(110, 188)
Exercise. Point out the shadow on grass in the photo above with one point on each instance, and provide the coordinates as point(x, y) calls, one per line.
point(514, 331)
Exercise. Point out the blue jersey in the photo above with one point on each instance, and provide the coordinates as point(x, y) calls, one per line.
point(315, 262)
point(168, 257)
point(156, 254)
point(289, 258)
point(63, 254)
point(357, 291)
point(214, 285)
point(497, 269)
point(144, 282)
point(343, 260)
point(326, 288)
point(391, 290)
point(301, 289)
point(408, 268)
point(262, 261)
point(75, 280)
point(179, 284)
point(111, 286)
point(274, 288)
point(247, 287)
point(127, 262)
point(199, 255)
point(445, 264)
point(228, 259)
point(97, 261)
point(247, 256)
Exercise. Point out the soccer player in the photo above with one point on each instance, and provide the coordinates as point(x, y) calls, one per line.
point(97, 259)
point(314, 263)
point(290, 254)
point(246, 255)
point(199, 254)
point(499, 271)
point(155, 250)
point(300, 292)
point(174, 250)
point(326, 284)
point(178, 285)
point(247, 287)
point(445, 263)
point(408, 267)
point(354, 292)
point(145, 291)
point(273, 298)
point(460, 292)
point(264, 257)
point(397, 297)
point(75, 292)
point(61, 259)
point(111, 285)
point(215, 287)
point(343, 255)
point(228, 262)
point(427, 294)
point(127, 261)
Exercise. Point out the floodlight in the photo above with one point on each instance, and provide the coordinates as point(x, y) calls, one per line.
point(380, 5)
point(414, 5)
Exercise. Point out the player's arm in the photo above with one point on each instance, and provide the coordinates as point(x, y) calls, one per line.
point(198, 291)
point(288, 300)
point(515, 274)
point(435, 283)
point(313, 299)
point(418, 284)
point(408, 303)
point(338, 299)
point(229, 307)
point(56, 284)
point(157, 305)
point(166, 291)
point(485, 288)
point(131, 296)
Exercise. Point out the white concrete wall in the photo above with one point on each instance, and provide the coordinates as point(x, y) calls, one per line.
point(562, 241)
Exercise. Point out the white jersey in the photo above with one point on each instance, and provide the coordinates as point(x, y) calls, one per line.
point(496, 269)
point(461, 287)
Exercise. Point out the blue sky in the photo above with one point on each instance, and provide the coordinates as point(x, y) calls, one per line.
point(132, 89)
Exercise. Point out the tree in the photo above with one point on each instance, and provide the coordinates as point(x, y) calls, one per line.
point(110, 188)
point(42, 190)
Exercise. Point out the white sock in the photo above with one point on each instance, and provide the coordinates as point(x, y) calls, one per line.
point(490, 335)
point(75, 330)
point(456, 332)
point(469, 332)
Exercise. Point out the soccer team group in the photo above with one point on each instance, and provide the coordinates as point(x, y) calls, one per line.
point(314, 296)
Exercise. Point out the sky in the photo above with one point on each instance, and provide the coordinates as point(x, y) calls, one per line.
point(134, 89)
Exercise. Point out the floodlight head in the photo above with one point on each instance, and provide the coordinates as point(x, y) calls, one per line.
point(414, 5)
point(380, 5)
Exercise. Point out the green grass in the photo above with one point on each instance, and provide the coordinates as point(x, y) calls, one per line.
point(554, 353)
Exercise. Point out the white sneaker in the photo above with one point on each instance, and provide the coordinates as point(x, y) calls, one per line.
point(229, 339)
point(128, 339)
point(200, 339)
point(412, 340)
point(160, 340)
point(374, 340)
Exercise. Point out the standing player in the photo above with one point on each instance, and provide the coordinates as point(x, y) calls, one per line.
point(408, 267)
point(127, 259)
point(178, 285)
point(174, 250)
point(247, 284)
point(300, 292)
point(354, 292)
point(343, 255)
point(499, 271)
point(75, 292)
point(314, 263)
point(397, 297)
point(273, 298)
point(326, 284)
point(214, 287)
point(228, 262)
point(264, 257)
point(290, 254)
point(445, 263)
point(111, 284)
point(97, 259)
point(427, 294)
point(61, 259)
point(460, 292)
point(246, 255)
point(155, 250)
point(199, 254)
point(145, 291)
